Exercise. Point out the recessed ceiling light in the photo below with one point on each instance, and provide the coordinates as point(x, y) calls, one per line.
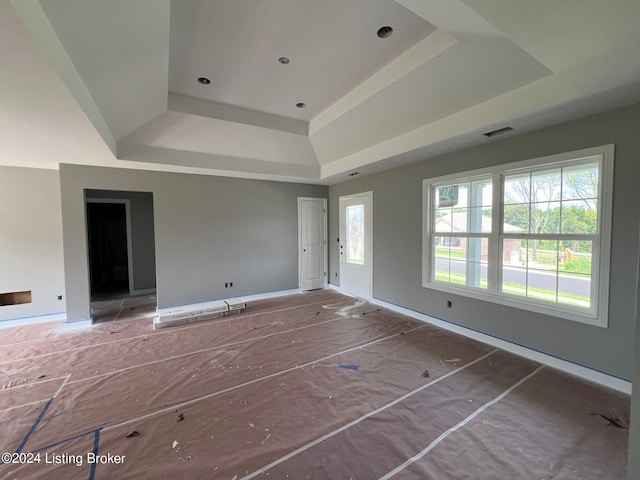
point(384, 32)
point(284, 60)
point(301, 105)
point(204, 81)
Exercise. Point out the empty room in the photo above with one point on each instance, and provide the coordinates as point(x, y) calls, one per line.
point(296, 239)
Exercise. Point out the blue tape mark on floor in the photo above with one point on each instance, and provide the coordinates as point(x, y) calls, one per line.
point(96, 438)
point(34, 426)
point(64, 441)
point(350, 367)
point(96, 447)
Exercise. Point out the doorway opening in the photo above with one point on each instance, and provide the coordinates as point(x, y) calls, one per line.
point(109, 247)
point(121, 253)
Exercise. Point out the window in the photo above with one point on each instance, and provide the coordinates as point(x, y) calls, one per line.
point(461, 229)
point(532, 234)
point(355, 234)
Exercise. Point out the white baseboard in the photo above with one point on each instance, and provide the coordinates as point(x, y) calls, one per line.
point(213, 303)
point(262, 296)
point(17, 322)
point(77, 324)
point(581, 371)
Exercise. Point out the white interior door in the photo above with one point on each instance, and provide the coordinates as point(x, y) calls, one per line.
point(312, 249)
point(356, 244)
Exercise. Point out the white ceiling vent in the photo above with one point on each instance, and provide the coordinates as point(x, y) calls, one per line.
point(499, 131)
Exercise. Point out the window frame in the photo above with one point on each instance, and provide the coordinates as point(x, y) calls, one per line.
point(597, 314)
point(467, 234)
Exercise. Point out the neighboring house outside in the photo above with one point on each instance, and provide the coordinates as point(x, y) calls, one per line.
point(449, 224)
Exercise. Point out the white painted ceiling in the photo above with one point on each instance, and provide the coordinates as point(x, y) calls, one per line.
point(115, 83)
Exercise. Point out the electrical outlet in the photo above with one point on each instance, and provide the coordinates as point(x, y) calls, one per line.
point(231, 284)
point(59, 297)
point(449, 304)
point(226, 285)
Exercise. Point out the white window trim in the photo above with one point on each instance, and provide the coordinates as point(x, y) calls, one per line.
point(602, 254)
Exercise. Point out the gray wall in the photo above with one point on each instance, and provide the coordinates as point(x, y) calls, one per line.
point(397, 214)
point(633, 467)
point(142, 235)
point(208, 231)
point(31, 241)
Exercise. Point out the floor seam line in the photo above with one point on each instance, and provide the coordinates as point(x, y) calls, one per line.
point(458, 426)
point(35, 402)
point(177, 328)
point(196, 352)
point(364, 417)
point(42, 400)
point(66, 380)
point(250, 382)
point(33, 383)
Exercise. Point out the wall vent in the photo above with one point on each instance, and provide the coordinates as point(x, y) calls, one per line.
point(15, 298)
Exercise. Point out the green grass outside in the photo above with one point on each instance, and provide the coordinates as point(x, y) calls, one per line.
point(457, 278)
point(580, 265)
point(446, 253)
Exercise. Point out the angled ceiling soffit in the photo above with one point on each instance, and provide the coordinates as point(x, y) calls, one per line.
point(37, 23)
point(113, 57)
point(221, 163)
point(230, 113)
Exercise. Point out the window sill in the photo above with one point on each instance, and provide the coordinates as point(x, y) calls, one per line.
point(514, 302)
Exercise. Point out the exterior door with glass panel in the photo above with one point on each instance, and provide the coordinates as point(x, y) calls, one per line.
point(356, 244)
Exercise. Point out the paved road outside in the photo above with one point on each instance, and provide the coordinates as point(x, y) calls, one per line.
point(568, 284)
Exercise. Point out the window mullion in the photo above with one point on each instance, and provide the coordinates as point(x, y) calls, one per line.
point(584, 169)
point(495, 249)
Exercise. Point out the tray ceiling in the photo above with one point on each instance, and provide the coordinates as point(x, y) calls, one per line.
point(122, 80)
